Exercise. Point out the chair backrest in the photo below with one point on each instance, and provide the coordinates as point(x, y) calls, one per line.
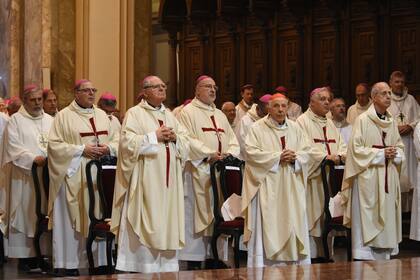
point(332, 178)
point(230, 170)
point(105, 180)
point(38, 189)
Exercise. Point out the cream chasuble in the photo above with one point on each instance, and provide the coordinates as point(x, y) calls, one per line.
point(356, 110)
point(241, 130)
point(115, 123)
point(210, 132)
point(152, 178)
point(241, 110)
point(25, 138)
point(74, 127)
point(148, 208)
point(280, 189)
point(325, 140)
point(376, 183)
point(415, 212)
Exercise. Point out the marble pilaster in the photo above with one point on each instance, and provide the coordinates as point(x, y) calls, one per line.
point(142, 41)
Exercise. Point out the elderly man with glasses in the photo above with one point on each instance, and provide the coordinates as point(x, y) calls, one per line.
point(148, 210)
point(211, 139)
point(80, 132)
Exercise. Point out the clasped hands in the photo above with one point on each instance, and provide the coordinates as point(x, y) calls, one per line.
point(165, 134)
point(40, 160)
point(404, 129)
point(95, 151)
point(287, 156)
point(390, 152)
point(216, 156)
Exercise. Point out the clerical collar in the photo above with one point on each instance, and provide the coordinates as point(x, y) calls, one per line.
point(277, 124)
point(83, 107)
point(159, 108)
point(82, 110)
point(382, 117)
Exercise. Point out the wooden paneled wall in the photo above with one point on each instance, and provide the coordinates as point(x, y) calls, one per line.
point(299, 44)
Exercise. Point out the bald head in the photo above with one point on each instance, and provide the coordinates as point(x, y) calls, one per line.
point(277, 107)
point(381, 97)
point(148, 81)
point(228, 108)
point(362, 94)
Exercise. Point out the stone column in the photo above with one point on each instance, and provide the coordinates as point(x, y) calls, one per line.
point(10, 56)
point(142, 42)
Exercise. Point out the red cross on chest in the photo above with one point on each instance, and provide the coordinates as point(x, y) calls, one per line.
point(383, 146)
point(283, 142)
point(168, 157)
point(326, 141)
point(216, 129)
point(94, 132)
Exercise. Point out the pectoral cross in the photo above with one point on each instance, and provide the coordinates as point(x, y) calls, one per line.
point(325, 140)
point(401, 116)
point(94, 133)
point(383, 146)
point(217, 130)
point(168, 157)
point(43, 140)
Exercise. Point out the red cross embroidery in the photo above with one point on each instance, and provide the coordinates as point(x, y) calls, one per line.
point(94, 133)
point(215, 129)
point(383, 146)
point(325, 140)
point(283, 142)
point(168, 157)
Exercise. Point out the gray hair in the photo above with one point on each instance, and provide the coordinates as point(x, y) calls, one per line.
point(376, 88)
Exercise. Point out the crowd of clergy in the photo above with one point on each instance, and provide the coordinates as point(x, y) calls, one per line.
point(162, 210)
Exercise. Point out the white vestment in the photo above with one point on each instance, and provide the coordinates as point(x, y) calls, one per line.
point(356, 110)
point(241, 110)
point(406, 110)
point(115, 123)
point(359, 251)
point(198, 117)
point(242, 128)
point(345, 130)
point(24, 139)
point(3, 122)
point(149, 235)
point(256, 254)
point(73, 128)
point(69, 246)
point(415, 210)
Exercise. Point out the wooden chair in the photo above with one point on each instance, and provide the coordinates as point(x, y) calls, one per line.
point(99, 227)
point(332, 177)
point(231, 172)
point(42, 218)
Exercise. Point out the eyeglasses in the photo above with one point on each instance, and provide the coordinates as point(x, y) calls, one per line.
point(209, 86)
point(163, 86)
point(87, 90)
